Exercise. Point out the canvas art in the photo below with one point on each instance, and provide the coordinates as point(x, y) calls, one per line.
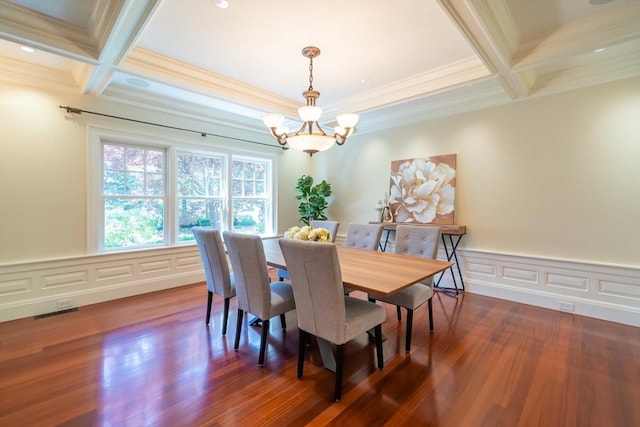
point(422, 190)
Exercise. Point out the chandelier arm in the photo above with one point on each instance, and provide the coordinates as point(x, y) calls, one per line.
point(301, 130)
point(281, 138)
point(341, 138)
point(320, 129)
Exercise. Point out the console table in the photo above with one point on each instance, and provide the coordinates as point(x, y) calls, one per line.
point(454, 233)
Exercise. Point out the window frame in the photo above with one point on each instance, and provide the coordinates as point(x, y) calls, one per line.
point(97, 136)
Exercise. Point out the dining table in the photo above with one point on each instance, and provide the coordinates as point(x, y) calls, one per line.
point(373, 272)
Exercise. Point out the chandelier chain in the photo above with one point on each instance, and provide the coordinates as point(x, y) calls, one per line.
point(311, 73)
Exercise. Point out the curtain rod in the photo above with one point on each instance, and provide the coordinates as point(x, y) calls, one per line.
point(73, 110)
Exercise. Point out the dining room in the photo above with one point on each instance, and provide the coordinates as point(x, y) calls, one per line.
point(120, 136)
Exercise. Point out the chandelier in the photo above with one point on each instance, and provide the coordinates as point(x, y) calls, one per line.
point(311, 138)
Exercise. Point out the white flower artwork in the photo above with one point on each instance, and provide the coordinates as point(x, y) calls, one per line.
point(423, 189)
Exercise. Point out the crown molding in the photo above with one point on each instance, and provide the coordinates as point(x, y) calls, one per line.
point(616, 68)
point(199, 112)
point(414, 87)
point(147, 64)
point(613, 27)
point(19, 72)
point(23, 26)
point(481, 94)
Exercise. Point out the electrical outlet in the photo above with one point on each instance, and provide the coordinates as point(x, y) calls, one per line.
point(65, 303)
point(567, 306)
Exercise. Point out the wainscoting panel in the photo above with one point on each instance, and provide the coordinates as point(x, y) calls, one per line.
point(35, 288)
point(596, 290)
point(601, 291)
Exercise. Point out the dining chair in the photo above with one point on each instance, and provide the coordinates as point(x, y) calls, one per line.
point(364, 236)
point(332, 228)
point(323, 310)
point(417, 241)
point(216, 268)
point(255, 293)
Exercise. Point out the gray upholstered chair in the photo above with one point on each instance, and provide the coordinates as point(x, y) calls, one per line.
point(364, 236)
point(216, 269)
point(418, 241)
point(254, 292)
point(323, 310)
point(331, 226)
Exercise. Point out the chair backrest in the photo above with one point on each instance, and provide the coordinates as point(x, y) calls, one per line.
point(364, 236)
point(214, 260)
point(246, 254)
point(331, 226)
point(317, 287)
point(419, 241)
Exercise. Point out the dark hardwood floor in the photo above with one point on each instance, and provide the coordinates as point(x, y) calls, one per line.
point(150, 361)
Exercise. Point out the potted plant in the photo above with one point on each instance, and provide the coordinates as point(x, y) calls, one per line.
point(313, 199)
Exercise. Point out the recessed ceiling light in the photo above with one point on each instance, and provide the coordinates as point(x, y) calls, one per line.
point(365, 81)
point(222, 4)
point(599, 50)
point(138, 82)
point(27, 49)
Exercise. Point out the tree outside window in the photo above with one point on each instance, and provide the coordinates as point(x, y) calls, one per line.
point(133, 196)
point(200, 193)
point(250, 195)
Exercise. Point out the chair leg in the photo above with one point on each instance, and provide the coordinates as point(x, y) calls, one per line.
point(238, 329)
point(409, 327)
point(399, 313)
point(225, 317)
point(339, 371)
point(430, 307)
point(209, 301)
point(302, 342)
point(263, 341)
point(283, 321)
point(378, 330)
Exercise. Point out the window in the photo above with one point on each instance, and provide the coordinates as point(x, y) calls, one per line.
point(133, 196)
point(150, 193)
point(251, 202)
point(201, 193)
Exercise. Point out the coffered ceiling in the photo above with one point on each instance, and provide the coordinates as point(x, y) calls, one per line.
point(392, 61)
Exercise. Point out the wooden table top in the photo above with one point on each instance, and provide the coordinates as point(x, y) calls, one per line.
point(446, 229)
point(379, 273)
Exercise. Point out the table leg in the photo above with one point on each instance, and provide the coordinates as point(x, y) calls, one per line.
point(383, 248)
point(451, 255)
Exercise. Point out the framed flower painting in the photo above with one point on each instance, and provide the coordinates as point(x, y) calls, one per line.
point(423, 190)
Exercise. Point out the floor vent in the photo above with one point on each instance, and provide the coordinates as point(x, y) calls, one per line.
point(55, 313)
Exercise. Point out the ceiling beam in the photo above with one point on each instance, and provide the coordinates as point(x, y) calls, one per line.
point(116, 33)
point(489, 28)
